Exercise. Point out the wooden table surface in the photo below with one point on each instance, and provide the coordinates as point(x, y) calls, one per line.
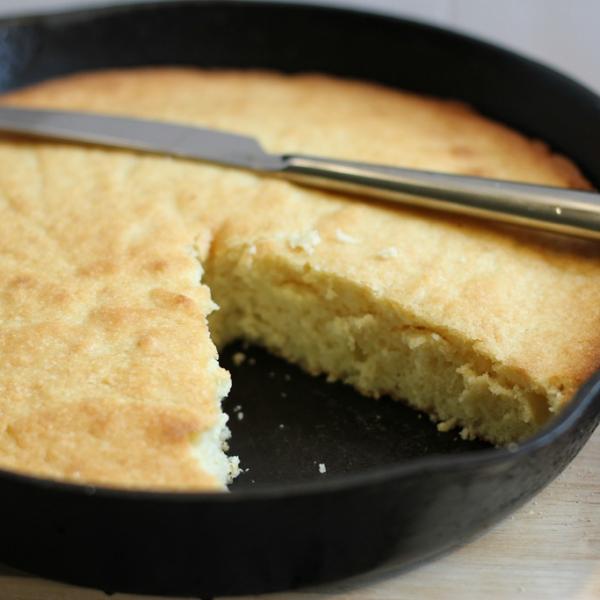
point(549, 549)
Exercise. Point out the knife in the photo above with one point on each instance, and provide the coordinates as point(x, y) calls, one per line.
point(556, 210)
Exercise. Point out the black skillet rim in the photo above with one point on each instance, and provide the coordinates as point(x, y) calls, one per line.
point(586, 398)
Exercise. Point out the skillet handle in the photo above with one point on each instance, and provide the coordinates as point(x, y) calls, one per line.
point(557, 210)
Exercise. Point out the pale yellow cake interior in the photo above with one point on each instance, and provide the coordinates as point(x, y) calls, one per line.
point(108, 371)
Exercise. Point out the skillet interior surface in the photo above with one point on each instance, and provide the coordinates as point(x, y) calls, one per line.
point(380, 503)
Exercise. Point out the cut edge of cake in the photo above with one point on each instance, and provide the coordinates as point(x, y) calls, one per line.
point(348, 335)
point(211, 446)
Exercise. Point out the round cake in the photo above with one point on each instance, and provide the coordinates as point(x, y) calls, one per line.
point(113, 264)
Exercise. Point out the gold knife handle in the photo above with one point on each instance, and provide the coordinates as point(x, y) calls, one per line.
point(557, 210)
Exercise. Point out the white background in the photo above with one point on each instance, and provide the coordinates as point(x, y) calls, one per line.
point(561, 33)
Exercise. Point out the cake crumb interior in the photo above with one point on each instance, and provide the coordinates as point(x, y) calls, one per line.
point(349, 334)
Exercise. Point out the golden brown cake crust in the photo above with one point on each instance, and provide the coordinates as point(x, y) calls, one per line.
point(103, 341)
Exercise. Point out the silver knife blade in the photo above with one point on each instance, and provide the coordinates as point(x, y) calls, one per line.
point(557, 210)
point(141, 134)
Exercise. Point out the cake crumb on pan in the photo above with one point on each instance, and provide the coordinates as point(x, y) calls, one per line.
point(238, 358)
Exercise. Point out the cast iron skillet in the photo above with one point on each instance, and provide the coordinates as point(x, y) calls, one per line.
point(396, 491)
